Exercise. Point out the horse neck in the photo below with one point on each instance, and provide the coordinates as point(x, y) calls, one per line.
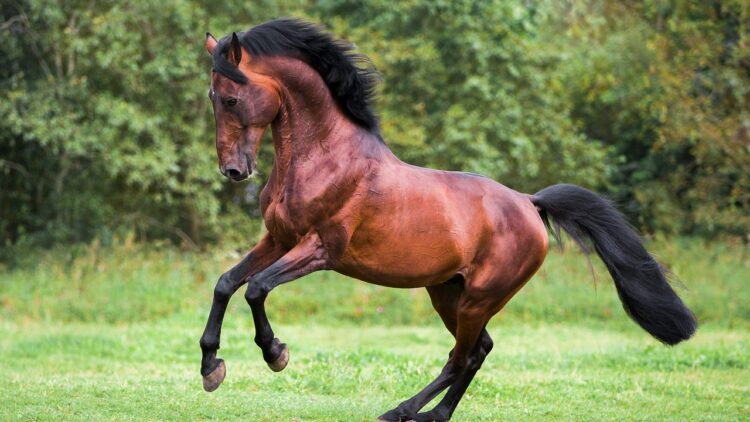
point(310, 124)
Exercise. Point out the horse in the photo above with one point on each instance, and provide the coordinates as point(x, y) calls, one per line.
point(338, 199)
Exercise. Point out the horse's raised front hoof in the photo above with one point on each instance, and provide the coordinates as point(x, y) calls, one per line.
point(213, 380)
point(281, 361)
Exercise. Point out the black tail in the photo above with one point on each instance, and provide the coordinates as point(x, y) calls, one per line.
point(641, 282)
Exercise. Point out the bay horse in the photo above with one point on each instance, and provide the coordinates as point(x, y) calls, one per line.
point(338, 199)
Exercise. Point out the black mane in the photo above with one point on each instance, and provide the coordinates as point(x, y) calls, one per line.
point(350, 76)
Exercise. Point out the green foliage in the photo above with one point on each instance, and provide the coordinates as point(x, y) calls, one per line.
point(109, 103)
point(665, 84)
point(469, 86)
point(105, 128)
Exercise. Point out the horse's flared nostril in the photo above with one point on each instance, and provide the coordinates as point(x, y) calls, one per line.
point(234, 174)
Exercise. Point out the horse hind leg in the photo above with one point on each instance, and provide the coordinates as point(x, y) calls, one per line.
point(473, 343)
point(444, 410)
point(484, 295)
point(446, 299)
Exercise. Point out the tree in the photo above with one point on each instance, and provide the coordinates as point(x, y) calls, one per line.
point(104, 124)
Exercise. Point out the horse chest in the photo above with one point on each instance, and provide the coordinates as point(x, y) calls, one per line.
point(283, 217)
point(279, 224)
point(300, 204)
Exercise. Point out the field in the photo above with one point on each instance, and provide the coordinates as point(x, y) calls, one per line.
point(112, 333)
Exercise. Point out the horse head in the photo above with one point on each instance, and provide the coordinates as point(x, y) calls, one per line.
point(244, 103)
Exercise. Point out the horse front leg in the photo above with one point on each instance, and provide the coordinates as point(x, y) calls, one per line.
point(307, 257)
point(261, 256)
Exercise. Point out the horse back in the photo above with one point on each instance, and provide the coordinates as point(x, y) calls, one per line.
point(418, 227)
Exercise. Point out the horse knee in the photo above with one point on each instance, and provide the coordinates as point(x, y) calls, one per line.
point(223, 290)
point(255, 294)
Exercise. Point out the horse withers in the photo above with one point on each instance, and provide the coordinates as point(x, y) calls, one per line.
point(338, 199)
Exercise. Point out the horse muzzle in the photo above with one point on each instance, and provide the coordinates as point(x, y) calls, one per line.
point(240, 169)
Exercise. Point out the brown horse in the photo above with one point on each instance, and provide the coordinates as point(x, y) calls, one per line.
point(338, 199)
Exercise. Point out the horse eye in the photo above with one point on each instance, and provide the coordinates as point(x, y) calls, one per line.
point(231, 102)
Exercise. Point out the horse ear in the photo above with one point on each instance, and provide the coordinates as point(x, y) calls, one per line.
point(235, 50)
point(210, 43)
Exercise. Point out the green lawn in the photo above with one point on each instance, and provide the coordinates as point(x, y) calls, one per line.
point(112, 333)
point(553, 372)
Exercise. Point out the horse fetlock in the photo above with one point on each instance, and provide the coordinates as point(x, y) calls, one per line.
point(209, 343)
point(265, 340)
point(209, 363)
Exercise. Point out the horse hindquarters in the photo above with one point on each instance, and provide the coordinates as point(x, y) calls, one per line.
point(508, 259)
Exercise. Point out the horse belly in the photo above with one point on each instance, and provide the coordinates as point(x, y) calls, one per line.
point(409, 256)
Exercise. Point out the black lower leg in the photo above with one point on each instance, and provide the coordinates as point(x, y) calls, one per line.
point(444, 410)
point(308, 256)
point(264, 337)
point(408, 409)
point(210, 339)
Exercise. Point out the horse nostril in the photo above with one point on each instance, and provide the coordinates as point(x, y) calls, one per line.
point(233, 174)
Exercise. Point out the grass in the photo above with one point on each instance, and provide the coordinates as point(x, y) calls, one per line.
point(111, 333)
point(552, 372)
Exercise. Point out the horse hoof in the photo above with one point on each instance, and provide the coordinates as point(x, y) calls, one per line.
point(213, 380)
point(281, 361)
point(395, 415)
